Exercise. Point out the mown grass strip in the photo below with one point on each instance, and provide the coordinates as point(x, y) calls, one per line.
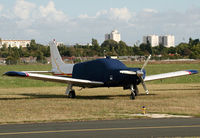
point(50, 104)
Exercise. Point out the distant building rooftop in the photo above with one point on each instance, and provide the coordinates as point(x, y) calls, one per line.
point(14, 43)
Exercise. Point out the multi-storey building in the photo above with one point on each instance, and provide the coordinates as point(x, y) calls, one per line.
point(114, 35)
point(167, 40)
point(14, 43)
point(152, 39)
point(155, 40)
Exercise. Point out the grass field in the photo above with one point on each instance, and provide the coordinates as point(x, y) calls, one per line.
point(50, 104)
point(6, 82)
point(24, 100)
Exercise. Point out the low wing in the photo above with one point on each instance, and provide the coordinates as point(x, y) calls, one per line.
point(37, 71)
point(170, 75)
point(73, 81)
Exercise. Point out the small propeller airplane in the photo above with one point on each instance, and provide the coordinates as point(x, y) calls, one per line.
point(105, 72)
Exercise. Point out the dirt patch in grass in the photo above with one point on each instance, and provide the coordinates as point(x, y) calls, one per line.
point(41, 104)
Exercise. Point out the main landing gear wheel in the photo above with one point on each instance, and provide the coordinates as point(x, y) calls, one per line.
point(132, 96)
point(72, 94)
point(136, 91)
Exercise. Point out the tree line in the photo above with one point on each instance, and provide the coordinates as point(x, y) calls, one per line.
point(108, 47)
point(13, 54)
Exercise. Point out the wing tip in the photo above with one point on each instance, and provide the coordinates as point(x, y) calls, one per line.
point(192, 71)
point(16, 73)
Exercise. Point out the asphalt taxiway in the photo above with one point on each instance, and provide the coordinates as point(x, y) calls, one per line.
point(173, 127)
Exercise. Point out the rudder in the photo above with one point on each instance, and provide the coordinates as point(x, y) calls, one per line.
point(58, 66)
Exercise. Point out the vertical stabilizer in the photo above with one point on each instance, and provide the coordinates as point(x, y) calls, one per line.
point(58, 66)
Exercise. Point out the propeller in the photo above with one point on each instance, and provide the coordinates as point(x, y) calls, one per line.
point(146, 62)
point(140, 74)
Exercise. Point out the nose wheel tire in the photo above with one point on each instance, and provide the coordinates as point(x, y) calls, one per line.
point(72, 94)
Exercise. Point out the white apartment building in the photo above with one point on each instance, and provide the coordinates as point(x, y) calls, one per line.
point(114, 35)
point(14, 43)
point(167, 40)
point(155, 40)
point(152, 39)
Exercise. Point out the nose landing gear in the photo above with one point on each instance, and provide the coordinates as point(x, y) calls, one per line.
point(134, 91)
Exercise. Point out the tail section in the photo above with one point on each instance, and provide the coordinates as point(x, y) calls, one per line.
point(58, 66)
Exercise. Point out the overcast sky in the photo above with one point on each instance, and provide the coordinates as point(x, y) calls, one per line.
point(78, 21)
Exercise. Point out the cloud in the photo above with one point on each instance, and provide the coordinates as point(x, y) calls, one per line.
point(1, 7)
point(120, 14)
point(84, 16)
point(150, 10)
point(102, 12)
point(23, 9)
point(43, 22)
point(23, 24)
point(32, 32)
point(51, 14)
